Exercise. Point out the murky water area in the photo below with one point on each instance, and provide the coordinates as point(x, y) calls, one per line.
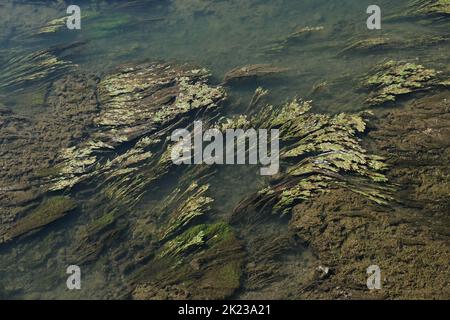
point(220, 36)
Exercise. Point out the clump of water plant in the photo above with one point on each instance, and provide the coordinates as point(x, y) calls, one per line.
point(299, 35)
point(319, 152)
point(52, 26)
point(392, 79)
point(381, 44)
point(426, 10)
point(252, 72)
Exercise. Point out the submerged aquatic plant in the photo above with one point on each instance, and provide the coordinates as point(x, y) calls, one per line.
point(251, 72)
point(381, 44)
point(207, 255)
point(47, 212)
point(431, 7)
point(52, 26)
point(30, 68)
point(396, 78)
point(425, 10)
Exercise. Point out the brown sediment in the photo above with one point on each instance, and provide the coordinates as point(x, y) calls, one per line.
point(414, 139)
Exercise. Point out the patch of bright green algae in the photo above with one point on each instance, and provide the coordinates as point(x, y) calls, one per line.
point(101, 27)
